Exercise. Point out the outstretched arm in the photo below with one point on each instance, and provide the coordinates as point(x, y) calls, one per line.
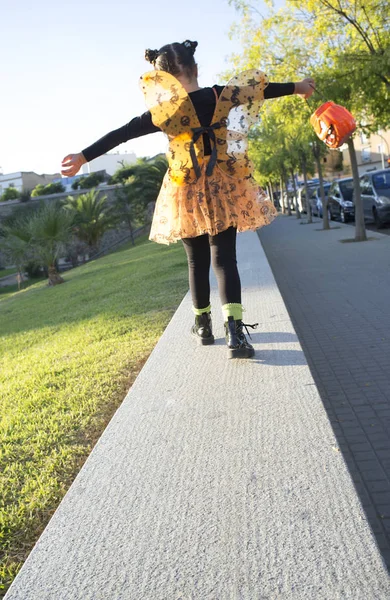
point(303, 88)
point(137, 127)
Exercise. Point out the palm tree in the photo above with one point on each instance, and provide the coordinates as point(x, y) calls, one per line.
point(51, 229)
point(15, 240)
point(92, 217)
point(39, 237)
point(140, 190)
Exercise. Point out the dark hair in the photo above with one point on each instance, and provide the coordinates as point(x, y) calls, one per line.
point(174, 58)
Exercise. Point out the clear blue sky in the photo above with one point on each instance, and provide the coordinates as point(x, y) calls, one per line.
point(70, 70)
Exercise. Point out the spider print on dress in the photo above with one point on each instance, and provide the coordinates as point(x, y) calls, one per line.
point(247, 162)
point(215, 187)
point(175, 96)
point(234, 98)
point(253, 82)
point(157, 78)
point(186, 171)
point(229, 163)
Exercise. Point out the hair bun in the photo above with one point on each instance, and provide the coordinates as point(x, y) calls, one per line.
point(191, 46)
point(151, 55)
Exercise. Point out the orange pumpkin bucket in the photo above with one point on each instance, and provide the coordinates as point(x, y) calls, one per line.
point(333, 124)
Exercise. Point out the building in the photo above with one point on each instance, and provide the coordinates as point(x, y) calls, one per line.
point(109, 162)
point(372, 152)
point(24, 180)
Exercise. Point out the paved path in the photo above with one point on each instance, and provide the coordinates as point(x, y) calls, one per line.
point(215, 480)
point(9, 280)
point(338, 295)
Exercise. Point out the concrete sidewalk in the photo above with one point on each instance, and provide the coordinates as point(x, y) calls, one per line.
point(215, 480)
point(338, 295)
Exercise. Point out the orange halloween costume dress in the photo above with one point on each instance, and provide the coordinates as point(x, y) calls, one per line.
point(207, 194)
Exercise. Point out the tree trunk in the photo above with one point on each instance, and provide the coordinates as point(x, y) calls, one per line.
point(19, 278)
point(54, 277)
point(325, 218)
point(297, 211)
point(282, 202)
point(286, 188)
point(131, 229)
point(131, 233)
point(360, 226)
point(271, 193)
point(308, 208)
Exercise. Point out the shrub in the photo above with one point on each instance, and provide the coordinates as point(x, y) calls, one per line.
point(10, 193)
point(88, 182)
point(50, 188)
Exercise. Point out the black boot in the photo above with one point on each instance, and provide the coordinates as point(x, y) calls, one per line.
point(202, 329)
point(238, 346)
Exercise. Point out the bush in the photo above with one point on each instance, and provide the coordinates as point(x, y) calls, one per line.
point(38, 191)
point(50, 188)
point(54, 188)
point(88, 182)
point(122, 174)
point(10, 193)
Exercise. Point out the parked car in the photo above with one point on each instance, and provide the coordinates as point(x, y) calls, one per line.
point(340, 200)
point(301, 199)
point(375, 191)
point(315, 200)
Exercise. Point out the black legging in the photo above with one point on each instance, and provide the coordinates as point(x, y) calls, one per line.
point(221, 249)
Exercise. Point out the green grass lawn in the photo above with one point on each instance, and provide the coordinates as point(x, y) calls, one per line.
point(68, 355)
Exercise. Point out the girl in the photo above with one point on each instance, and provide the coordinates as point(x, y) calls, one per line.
point(208, 193)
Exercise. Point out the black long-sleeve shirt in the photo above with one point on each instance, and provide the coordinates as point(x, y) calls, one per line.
point(204, 104)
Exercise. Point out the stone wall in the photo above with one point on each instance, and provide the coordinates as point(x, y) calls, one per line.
point(109, 239)
point(7, 207)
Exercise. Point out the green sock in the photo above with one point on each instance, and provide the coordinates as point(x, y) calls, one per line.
point(201, 311)
point(232, 310)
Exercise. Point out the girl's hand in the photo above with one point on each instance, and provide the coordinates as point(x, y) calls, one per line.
point(72, 164)
point(305, 88)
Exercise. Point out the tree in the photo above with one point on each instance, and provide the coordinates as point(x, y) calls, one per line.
point(45, 190)
point(50, 229)
point(10, 193)
point(92, 217)
point(88, 182)
point(122, 174)
point(39, 190)
point(344, 44)
point(38, 236)
point(15, 239)
point(139, 190)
